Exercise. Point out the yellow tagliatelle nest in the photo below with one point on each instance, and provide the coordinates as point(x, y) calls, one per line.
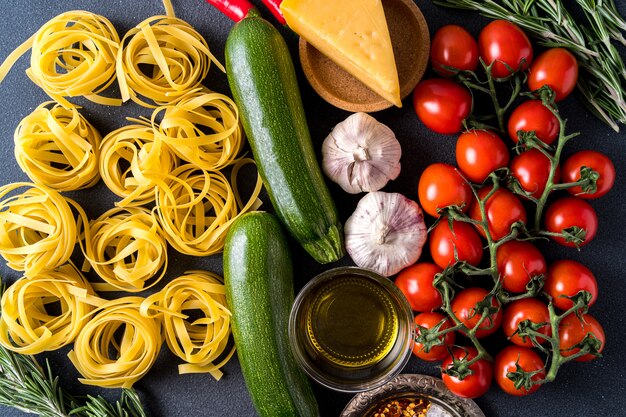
point(37, 227)
point(162, 59)
point(133, 161)
point(72, 55)
point(127, 248)
point(202, 128)
point(197, 208)
point(57, 147)
point(29, 323)
point(201, 341)
point(118, 345)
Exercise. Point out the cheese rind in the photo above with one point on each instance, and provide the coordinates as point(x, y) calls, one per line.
point(352, 33)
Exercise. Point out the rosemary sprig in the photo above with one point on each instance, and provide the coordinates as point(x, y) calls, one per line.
point(26, 386)
point(603, 79)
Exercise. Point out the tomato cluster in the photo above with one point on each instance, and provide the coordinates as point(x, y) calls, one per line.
point(489, 209)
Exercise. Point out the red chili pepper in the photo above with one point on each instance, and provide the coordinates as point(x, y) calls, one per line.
point(236, 10)
point(274, 7)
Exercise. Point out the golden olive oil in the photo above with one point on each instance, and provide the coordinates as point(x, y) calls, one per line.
point(351, 322)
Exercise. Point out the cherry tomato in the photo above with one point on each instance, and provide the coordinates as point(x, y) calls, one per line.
point(531, 168)
point(430, 320)
point(568, 212)
point(473, 385)
point(442, 104)
point(525, 309)
point(463, 237)
point(416, 283)
point(596, 161)
point(517, 358)
point(440, 186)
point(518, 261)
point(567, 278)
point(558, 69)
point(503, 209)
point(453, 46)
point(464, 307)
point(573, 330)
point(479, 152)
point(505, 43)
point(533, 115)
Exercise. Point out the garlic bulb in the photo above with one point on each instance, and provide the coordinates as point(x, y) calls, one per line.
point(386, 233)
point(361, 154)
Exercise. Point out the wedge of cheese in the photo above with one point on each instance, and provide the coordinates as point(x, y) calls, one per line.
point(352, 33)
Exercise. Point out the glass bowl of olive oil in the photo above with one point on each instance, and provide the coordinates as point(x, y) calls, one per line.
point(351, 329)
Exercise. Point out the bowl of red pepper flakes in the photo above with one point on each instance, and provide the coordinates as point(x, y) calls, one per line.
point(411, 395)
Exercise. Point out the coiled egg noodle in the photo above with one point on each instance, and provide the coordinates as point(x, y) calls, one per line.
point(118, 345)
point(127, 248)
point(202, 128)
point(199, 341)
point(73, 54)
point(197, 208)
point(162, 59)
point(37, 227)
point(133, 160)
point(29, 323)
point(58, 147)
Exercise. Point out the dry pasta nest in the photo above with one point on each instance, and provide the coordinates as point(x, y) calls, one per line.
point(198, 206)
point(45, 312)
point(200, 341)
point(127, 249)
point(74, 54)
point(162, 59)
point(202, 128)
point(118, 345)
point(58, 147)
point(133, 161)
point(37, 227)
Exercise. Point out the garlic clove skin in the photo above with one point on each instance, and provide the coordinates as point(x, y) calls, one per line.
point(386, 233)
point(361, 154)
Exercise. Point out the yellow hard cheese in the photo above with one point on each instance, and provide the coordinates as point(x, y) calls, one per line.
point(354, 34)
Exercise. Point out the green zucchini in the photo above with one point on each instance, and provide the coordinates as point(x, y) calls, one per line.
point(263, 83)
point(259, 289)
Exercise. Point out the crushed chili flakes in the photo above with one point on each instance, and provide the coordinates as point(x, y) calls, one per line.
point(403, 407)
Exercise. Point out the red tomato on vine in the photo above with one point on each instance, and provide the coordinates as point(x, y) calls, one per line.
point(514, 359)
point(518, 262)
point(525, 309)
point(473, 385)
point(556, 68)
point(572, 331)
point(430, 320)
point(442, 105)
point(531, 169)
point(502, 209)
point(596, 161)
point(569, 212)
point(507, 46)
point(416, 283)
point(462, 238)
point(440, 185)
point(532, 115)
point(453, 46)
point(465, 306)
point(565, 278)
point(480, 152)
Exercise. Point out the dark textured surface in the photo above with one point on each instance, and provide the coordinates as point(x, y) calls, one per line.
point(580, 389)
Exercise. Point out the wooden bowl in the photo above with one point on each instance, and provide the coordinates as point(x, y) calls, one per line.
point(411, 45)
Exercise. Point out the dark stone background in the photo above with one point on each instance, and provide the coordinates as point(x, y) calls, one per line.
point(580, 389)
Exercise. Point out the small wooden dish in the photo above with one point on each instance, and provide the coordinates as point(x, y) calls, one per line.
point(411, 45)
